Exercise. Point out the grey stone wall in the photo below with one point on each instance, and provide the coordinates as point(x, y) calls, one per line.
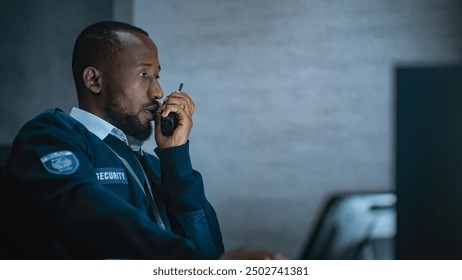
point(36, 44)
point(294, 99)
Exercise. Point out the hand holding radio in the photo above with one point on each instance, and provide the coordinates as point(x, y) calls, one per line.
point(170, 122)
point(175, 122)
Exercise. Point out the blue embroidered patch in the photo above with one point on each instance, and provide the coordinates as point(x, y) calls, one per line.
point(61, 162)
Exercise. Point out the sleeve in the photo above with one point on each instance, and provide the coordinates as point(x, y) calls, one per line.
point(190, 212)
point(74, 210)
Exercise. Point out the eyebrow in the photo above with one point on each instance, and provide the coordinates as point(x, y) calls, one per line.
point(149, 65)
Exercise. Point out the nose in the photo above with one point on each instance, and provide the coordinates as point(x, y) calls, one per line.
point(155, 90)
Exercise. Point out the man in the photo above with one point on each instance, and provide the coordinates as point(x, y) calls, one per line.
point(80, 186)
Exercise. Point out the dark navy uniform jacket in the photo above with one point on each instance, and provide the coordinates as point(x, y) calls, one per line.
point(68, 195)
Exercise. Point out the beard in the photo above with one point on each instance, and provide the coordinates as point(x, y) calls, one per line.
point(128, 123)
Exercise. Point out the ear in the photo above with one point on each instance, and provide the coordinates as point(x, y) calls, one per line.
point(92, 80)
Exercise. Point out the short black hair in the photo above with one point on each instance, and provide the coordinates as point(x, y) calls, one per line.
point(97, 45)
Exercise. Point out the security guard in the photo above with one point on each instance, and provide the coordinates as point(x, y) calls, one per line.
point(79, 186)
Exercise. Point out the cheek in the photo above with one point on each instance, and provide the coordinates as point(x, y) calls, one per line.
point(120, 101)
point(139, 92)
point(130, 95)
point(140, 87)
point(134, 98)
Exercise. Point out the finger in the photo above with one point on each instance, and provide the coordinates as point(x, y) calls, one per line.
point(181, 103)
point(277, 256)
point(176, 108)
point(176, 101)
point(180, 98)
point(273, 256)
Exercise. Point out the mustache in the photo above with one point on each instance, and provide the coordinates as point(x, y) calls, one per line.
point(151, 106)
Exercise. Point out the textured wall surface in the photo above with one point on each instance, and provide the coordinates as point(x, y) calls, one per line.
point(35, 56)
point(294, 99)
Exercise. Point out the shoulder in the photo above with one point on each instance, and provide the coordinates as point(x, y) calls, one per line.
point(53, 127)
point(52, 135)
point(53, 117)
point(52, 121)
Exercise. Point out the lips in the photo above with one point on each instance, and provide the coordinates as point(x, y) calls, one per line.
point(151, 110)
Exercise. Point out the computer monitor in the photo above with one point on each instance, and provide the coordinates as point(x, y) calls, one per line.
point(428, 167)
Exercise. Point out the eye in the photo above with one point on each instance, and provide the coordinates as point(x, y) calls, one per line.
point(143, 75)
point(157, 77)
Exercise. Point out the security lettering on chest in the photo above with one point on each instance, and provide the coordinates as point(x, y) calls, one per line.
point(111, 175)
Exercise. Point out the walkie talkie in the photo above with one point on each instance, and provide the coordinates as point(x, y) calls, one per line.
point(170, 122)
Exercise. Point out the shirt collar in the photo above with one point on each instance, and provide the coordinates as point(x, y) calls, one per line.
point(102, 128)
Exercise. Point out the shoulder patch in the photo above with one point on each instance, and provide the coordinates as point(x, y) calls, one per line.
point(61, 162)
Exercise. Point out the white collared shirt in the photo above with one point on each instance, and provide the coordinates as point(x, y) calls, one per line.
point(102, 128)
